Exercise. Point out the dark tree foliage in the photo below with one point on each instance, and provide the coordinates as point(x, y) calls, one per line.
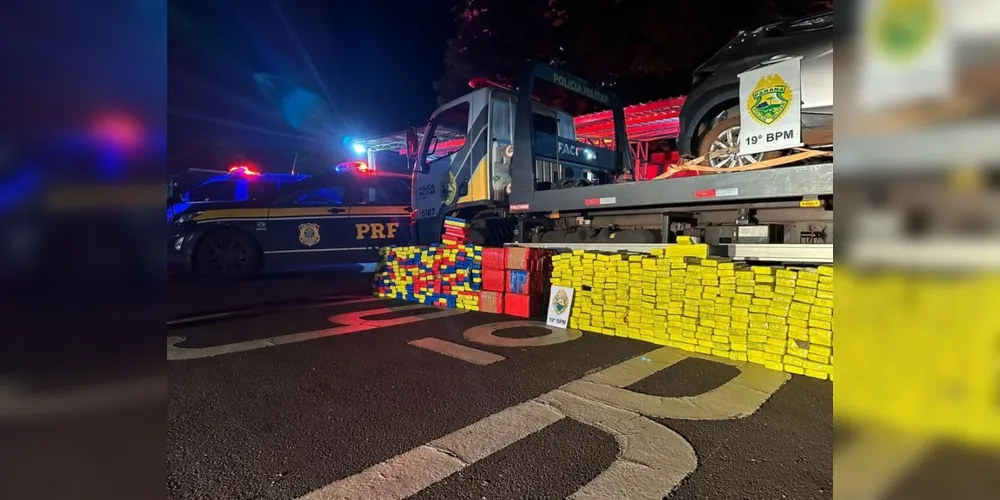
point(642, 49)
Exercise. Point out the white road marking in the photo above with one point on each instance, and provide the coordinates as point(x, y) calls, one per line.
point(457, 351)
point(737, 398)
point(486, 334)
point(352, 322)
point(652, 459)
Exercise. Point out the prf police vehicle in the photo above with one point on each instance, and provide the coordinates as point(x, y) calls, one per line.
point(337, 218)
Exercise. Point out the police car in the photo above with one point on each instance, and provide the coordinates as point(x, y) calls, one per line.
point(337, 218)
point(241, 183)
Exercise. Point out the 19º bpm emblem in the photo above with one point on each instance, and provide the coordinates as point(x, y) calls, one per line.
point(769, 100)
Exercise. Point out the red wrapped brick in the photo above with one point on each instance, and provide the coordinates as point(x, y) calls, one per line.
point(525, 282)
point(494, 258)
point(494, 280)
point(491, 302)
point(522, 306)
point(526, 259)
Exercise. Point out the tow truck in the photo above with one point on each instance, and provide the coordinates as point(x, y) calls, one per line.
point(515, 167)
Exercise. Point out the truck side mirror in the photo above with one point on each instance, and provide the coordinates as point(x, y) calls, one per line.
point(411, 145)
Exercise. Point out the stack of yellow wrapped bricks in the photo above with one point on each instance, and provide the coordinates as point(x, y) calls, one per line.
point(779, 317)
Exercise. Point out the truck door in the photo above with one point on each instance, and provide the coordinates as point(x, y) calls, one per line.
point(309, 225)
point(443, 153)
point(380, 216)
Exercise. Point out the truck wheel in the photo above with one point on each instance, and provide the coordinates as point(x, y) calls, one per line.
point(228, 254)
point(726, 135)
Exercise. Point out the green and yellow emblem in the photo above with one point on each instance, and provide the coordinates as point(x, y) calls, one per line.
point(903, 29)
point(449, 188)
point(769, 99)
point(561, 302)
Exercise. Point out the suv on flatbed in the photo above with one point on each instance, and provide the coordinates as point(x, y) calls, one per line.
point(710, 118)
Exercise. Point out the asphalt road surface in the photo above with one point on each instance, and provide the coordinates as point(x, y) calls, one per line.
point(328, 398)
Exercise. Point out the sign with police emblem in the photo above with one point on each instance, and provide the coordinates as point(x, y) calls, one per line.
point(560, 303)
point(771, 108)
point(309, 234)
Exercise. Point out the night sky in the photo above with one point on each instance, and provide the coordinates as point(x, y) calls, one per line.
point(374, 62)
point(264, 82)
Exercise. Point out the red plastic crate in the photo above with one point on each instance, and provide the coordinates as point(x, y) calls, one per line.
point(494, 258)
point(494, 280)
point(525, 282)
point(522, 306)
point(491, 302)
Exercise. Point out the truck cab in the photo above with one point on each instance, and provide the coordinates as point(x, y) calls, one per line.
point(462, 164)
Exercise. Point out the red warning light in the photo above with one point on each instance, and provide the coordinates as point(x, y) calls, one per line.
point(360, 167)
point(242, 169)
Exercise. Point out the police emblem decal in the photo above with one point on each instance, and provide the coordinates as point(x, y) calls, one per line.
point(449, 188)
point(769, 99)
point(561, 302)
point(309, 234)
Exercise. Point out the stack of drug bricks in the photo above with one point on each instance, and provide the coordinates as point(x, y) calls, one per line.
point(443, 276)
point(515, 281)
point(456, 232)
point(779, 317)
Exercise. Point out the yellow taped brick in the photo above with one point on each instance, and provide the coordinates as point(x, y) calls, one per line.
point(798, 333)
point(806, 298)
point(773, 365)
point(794, 369)
point(800, 306)
point(777, 331)
point(808, 275)
point(808, 285)
point(815, 374)
point(738, 356)
point(785, 274)
point(768, 356)
point(702, 349)
point(777, 342)
point(822, 325)
point(825, 270)
point(772, 349)
point(821, 337)
point(823, 302)
point(818, 358)
point(792, 361)
point(821, 350)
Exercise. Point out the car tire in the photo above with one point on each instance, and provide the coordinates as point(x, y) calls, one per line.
point(718, 134)
point(228, 254)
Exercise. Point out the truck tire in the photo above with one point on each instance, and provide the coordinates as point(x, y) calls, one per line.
point(228, 254)
point(727, 135)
